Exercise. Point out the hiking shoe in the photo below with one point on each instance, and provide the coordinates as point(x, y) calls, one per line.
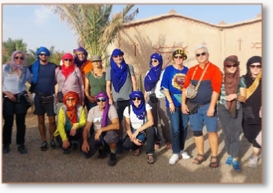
point(102, 154)
point(174, 159)
point(6, 149)
point(22, 149)
point(113, 160)
point(253, 161)
point(44, 146)
point(66, 151)
point(236, 166)
point(184, 155)
point(53, 144)
point(229, 161)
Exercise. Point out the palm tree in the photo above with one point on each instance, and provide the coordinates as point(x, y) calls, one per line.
point(10, 46)
point(93, 25)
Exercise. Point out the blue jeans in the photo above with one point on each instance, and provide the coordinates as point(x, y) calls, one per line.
point(179, 126)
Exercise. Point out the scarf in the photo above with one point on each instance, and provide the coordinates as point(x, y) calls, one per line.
point(106, 109)
point(66, 70)
point(231, 82)
point(118, 75)
point(36, 65)
point(140, 111)
point(153, 75)
point(77, 61)
point(71, 112)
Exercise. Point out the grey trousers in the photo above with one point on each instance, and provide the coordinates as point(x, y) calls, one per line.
point(231, 128)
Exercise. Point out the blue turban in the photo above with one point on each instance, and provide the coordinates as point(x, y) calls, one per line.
point(42, 49)
point(140, 111)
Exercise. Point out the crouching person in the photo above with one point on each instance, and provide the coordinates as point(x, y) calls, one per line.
point(106, 124)
point(70, 123)
point(139, 123)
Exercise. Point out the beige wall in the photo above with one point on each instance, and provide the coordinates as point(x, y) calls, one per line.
point(140, 39)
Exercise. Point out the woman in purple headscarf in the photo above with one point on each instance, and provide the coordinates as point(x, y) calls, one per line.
point(104, 117)
point(156, 98)
point(139, 126)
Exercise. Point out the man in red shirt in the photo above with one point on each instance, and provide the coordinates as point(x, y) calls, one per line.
point(206, 98)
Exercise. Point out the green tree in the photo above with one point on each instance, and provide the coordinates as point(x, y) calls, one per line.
point(94, 24)
point(10, 46)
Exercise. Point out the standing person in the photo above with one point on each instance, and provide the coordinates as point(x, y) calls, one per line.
point(71, 120)
point(233, 93)
point(94, 82)
point(85, 65)
point(43, 85)
point(120, 82)
point(139, 126)
point(156, 99)
point(15, 101)
point(251, 119)
point(69, 78)
point(106, 124)
point(172, 83)
point(206, 98)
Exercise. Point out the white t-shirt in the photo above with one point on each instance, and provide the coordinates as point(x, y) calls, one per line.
point(95, 116)
point(136, 122)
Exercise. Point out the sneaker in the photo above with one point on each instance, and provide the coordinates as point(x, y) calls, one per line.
point(113, 159)
point(102, 154)
point(52, 144)
point(6, 149)
point(174, 159)
point(184, 155)
point(22, 149)
point(229, 161)
point(43, 146)
point(236, 166)
point(253, 161)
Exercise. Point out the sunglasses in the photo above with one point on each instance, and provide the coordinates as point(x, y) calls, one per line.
point(154, 61)
point(231, 65)
point(136, 98)
point(42, 55)
point(101, 100)
point(117, 56)
point(70, 99)
point(179, 57)
point(203, 54)
point(70, 60)
point(255, 66)
point(17, 57)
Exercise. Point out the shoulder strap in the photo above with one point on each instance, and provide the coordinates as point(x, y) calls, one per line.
point(198, 84)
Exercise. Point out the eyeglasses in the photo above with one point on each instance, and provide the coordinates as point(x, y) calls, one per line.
point(70, 60)
point(42, 54)
point(255, 66)
point(136, 98)
point(17, 57)
point(101, 100)
point(231, 65)
point(70, 99)
point(154, 61)
point(179, 57)
point(203, 54)
point(117, 56)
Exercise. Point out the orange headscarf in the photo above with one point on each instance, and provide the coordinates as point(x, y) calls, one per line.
point(71, 110)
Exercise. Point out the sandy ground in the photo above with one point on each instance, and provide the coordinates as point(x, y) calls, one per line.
point(53, 166)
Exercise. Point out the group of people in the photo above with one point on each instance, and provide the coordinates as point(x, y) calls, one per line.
point(95, 106)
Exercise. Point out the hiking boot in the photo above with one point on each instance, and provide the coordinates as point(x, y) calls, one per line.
point(22, 149)
point(44, 146)
point(102, 154)
point(6, 149)
point(53, 144)
point(113, 160)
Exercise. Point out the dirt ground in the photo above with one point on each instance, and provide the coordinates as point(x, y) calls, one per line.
point(53, 166)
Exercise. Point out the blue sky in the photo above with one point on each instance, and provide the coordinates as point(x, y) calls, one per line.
point(38, 26)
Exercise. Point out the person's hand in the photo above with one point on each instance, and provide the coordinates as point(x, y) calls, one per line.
point(73, 132)
point(185, 109)
point(137, 142)
point(92, 99)
point(111, 101)
point(97, 135)
point(231, 97)
point(11, 96)
point(210, 111)
point(134, 135)
point(172, 107)
point(66, 144)
point(85, 147)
